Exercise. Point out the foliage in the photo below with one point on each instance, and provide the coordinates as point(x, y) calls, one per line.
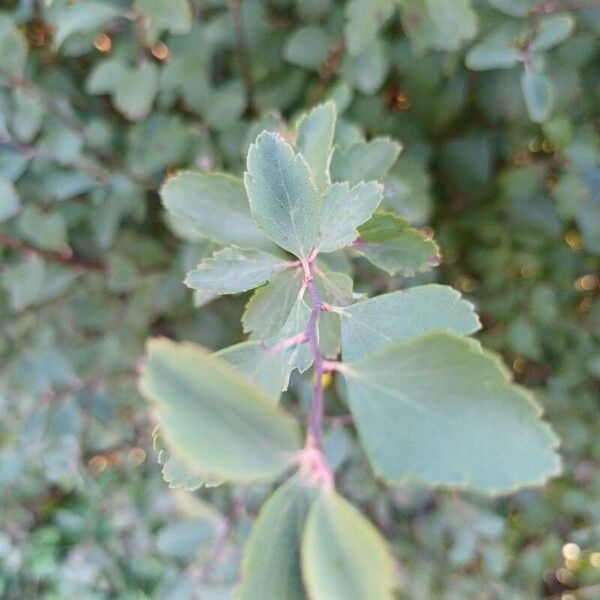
point(125, 131)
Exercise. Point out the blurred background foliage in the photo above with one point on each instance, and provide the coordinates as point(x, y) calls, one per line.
point(497, 105)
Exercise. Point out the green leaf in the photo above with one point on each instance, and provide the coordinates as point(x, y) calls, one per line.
point(455, 20)
point(283, 198)
point(81, 17)
point(514, 8)
point(495, 51)
point(314, 137)
point(441, 410)
point(13, 47)
point(402, 316)
point(174, 16)
point(266, 369)
point(269, 307)
point(45, 230)
point(390, 243)
point(552, 30)
point(538, 93)
point(134, 93)
point(231, 271)
point(10, 204)
point(364, 18)
point(343, 209)
point(343, 555)
point(214, 205)
point(219, 423)
point(308, 47)
point(364, 161)
point(271, 564)
point(367, 70)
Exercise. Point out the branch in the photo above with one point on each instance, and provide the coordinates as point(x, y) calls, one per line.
point(235, 7)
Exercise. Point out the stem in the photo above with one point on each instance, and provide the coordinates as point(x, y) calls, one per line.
point(235, 7)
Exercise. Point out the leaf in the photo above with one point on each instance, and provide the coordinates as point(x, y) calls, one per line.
point(231, 271)
point(513, 8)
point(10, 204)
point(314, 136)
point(364, 18)
point(455, 20)
point(174, 16)
point(215, 205)
point(134, 93)
point(390, 243)
point(269, 307)
point(343, 555)
point(364, 161)
point(495, 51)
point(45, 230)
point(266, 369)
point(81, 17)
point(552, 30)
point(271, 563)
point(441, 410)
point(367, 71)
point(308, 47)
point(538, 93)
point(216, 421)
point(13, 47)
point(343, 209)
point(403, 316)
point(283, 198)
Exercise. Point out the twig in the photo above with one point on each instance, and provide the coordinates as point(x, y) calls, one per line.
point(65, 258)
point(235, 7)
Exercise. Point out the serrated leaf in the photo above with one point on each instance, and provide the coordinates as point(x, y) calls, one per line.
point(538, 93)
point(364, 161)
point(343, 555)
point(314, 136)
point(343, 209)
point(219, 423)
point(552, 30)
point(374, 324)
point(10, 204)
point(269, 307)
point(214, 205)
point(441, 410)
point(390, 243)
point(271, 564)
point(231, 271)
point(267, 369)
point(283, 198)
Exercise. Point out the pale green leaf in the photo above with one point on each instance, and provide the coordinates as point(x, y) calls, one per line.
point(367, 71)
point(269, 307)
point(390, 243)
point(308, 47)
point(174, 16)
point(514, 8)
point(231, 271)
point(82, 17)
point(314, 136)
point(13, 47)
point(364, 18)
point(343, 555)
point(45, 230)
point(495, 51)
point(266, 369)
point(441, 410)
point(552, 30)
point(214, 205)
point(283, 197)
point(343, 209)
point(538, 93)
point(134, 93)
point(271, 564)
point(402, 316)
point(219, 423)
point(10, 204)
point(454, 19)
point(364, 161)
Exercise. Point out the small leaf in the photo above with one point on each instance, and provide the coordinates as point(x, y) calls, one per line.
point(314, 136)
point(81, 17)
point(552, 30)
point(271, 565)
point(10, 204)
point(390, 243)
point(308, 47)
point(441, 410)
point(343, 555)
point(495, 51)
point(214, 205)
point(283, 198)
point(219, 423)
point(364, 18)
point(538, 93)
point(231, 271)
point(364, 161)
point(267, 369)
point(174, 16)
point(134, 93)
point(13, 47)
point(343, 209)
point(454, 19)
point(45, 230)
point(402, 316)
